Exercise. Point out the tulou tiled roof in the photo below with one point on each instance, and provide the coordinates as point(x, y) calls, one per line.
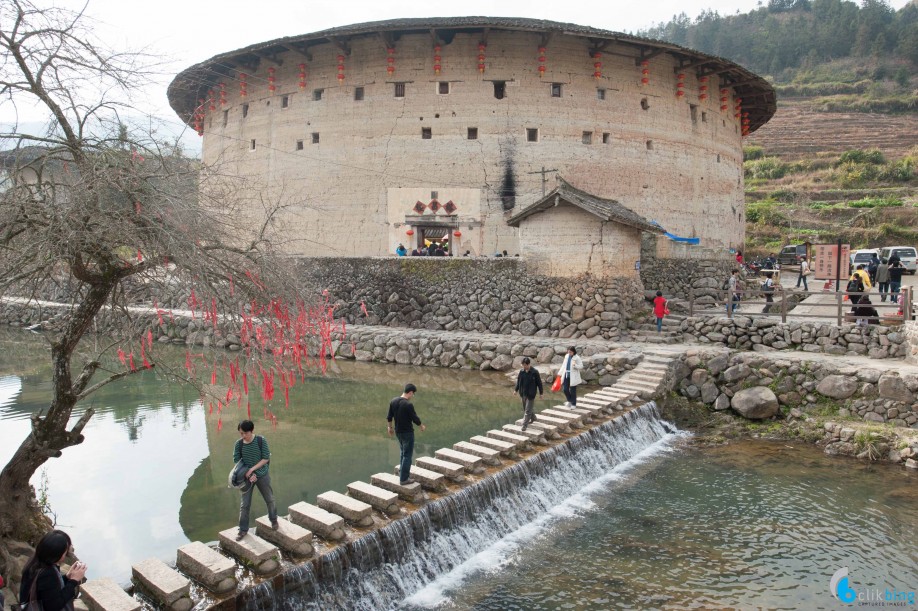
point(604, 209)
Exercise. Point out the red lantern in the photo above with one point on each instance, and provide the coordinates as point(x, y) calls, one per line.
point(410, 232)
point(243, 91)
point(645, 72)
point(390, 60)
point(222, 94)
point(481, 56)
point(340, 68)
point(210, 100)
point(680, 85)
point(271, 87)
point(302, 68)
point(457, 233)
point(703, 88)
point(437, 58)
point(597, 65)
point(541, 61)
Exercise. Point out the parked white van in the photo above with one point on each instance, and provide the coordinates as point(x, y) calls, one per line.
point(907, 254)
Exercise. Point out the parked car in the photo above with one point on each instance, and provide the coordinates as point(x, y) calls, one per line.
point(907, 255)
point(792, 254)
point(862, 256)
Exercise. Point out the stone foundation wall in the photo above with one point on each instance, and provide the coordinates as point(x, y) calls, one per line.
point(767, 334)
point(498, 295)
point(911, 341)
point(680, 276)
point(723, 378)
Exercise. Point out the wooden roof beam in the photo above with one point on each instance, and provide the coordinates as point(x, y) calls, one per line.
point(341, 43)
point(694, 64)
point(600, 46)
point(648, 54)
point(271, 57)
point(545, 39)
point(743, 82)
point(435, 37)
point(301, 50)
point(484, 37)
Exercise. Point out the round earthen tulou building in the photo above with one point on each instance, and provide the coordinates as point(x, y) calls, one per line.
point(563, 143)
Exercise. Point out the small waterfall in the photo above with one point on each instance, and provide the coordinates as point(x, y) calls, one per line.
point(382, 568)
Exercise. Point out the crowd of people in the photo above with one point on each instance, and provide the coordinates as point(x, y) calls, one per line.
point(439, 249)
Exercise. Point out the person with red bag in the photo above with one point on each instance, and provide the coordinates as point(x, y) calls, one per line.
point(660, 310)
point(570, 376)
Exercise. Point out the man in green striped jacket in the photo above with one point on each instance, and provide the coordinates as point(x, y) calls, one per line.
point(254, 453)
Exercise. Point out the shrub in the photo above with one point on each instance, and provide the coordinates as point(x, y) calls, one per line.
point(766, 212)
point(899, 171)
point(753, 152)
point(783, 195)
point(768, 168)
point(876, 202)
point(873, 156)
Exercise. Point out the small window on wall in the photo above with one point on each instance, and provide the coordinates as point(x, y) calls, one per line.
point(299, 145)
point(532, 134)
point(225, 117)
point(473, 133)
point(285, 101)
point(645, 104)
point(606, 137)
point(443, 87)
point(252, 144)
point(600, 94)
point(315, 137)
point(556, 90)
point(588, 137)
point(500, 90)
point(426, 133)
point(245, 111)
point(399, 90)
point(317, 94)
point(358, 94)
point(704, 116)
point(693, 110)
point(650, 145)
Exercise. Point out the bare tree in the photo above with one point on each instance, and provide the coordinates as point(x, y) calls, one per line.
point(98, 207)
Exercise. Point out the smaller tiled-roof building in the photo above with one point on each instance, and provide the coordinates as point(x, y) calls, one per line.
point(570, 232)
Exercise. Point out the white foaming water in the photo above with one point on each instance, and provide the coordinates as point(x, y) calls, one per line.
point(479, 528)
point(503, 552)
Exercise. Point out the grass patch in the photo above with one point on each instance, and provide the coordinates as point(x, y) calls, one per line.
point(877, 202)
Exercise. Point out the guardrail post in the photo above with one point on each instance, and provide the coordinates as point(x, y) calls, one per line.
point(783, 306)
point(691, 302)
point(907, 309)
point(838, 298)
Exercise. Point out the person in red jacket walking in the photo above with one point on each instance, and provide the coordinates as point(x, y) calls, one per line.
point(660, 310)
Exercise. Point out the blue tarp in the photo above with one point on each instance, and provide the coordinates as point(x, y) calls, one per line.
point(675, 238)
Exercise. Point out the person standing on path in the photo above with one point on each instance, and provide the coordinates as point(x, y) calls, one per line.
point(731, 286)
point(883, 278)
point(528, 381)
point(768, 289)
point(401, 410)
point(252, 450)
point(896, 269)
point(804, 272)
point(570, 375)
point(660, 310)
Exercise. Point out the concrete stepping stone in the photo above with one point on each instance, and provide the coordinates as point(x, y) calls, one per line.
point(288, 536)
point(380, 498)
point(388, 481)
point(549, 430)
point(206, 566)
point(252, 550)
point(594, 407)
point(504, 447)
point(569, 417)
point(166, 585)
point(429, 480)
point(451, 470)
point(471, 462)
point(489, 456)
point(106, 595)
point(535, 436)
point(327, 525)
point(586, 415)
point(356, 512)
point(521, 442)
point(562, 424)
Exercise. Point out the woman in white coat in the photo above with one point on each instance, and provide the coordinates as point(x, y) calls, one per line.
point(570, 376)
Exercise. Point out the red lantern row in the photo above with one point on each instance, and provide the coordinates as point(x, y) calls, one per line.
point(271, 86)
point(645, 72)
point(724, 99)
point(199, 117)
point(222, 94)
point(210, 100)
point(680, 85)
point(243, 86)
point(340, 68)
point(437, 59)
point(481, 57)
point(597, 65)
point(541, 61)
point(302, 68)
point(390, 60)
point(703, 88)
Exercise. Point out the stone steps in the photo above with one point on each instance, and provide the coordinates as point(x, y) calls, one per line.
point(533, 436)
point(451, 470)
point(163, 583)
point(323, 523)
point(288, 536)
point(252, 550)
point(489, 456)
point(471, 462)
point(105, 594)
point(206, 566)
point(504, 447)
point(550, 431)
point(387, 481)
point(521, 442)
point(572, 418)
point(385, 501)
point(562, 425)
point(428, 479)
point(353, 511)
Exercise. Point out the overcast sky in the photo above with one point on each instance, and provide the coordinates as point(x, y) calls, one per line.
point(189, 31)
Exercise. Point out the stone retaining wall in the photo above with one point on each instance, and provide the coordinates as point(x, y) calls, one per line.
point(759, 385)
point(911, 341)
point(684, 275)
point(767, 334)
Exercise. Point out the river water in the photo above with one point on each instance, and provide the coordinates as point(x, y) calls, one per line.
point(748, 525)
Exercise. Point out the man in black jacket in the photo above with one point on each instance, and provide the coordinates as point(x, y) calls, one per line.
point(402, 411)
point(528, 381)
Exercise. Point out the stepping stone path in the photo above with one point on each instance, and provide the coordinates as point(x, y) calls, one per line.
point(409, 492)
point(504, 447)
point(537, 437)
point(521, 442)
point(471, 462)
point(327, 525)
point(451, 470)
point(213, 570)
point(487, 455)
point(429, 479)
point(356, 512)
point(105, 594)
point(381, 499)
point(288, 536)
point(252, 550)
point(164, 584)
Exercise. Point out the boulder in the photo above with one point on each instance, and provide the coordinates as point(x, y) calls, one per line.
point(755, 403)
point(894, 387)
point(837, 386)
point(737, 372)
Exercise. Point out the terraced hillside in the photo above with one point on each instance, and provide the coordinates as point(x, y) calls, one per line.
point(799, 130)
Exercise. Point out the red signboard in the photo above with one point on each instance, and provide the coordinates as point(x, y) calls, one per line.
point(825, 257)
